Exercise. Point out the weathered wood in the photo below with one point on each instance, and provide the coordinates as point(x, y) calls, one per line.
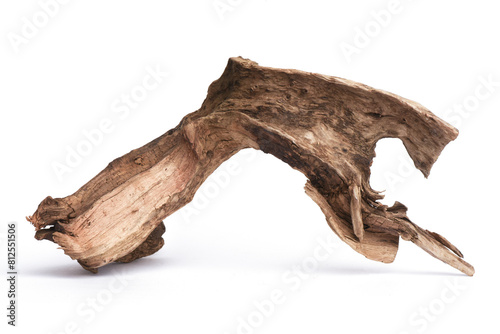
point(325, 127)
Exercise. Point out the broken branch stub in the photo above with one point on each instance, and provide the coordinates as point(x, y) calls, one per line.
point(325, 127)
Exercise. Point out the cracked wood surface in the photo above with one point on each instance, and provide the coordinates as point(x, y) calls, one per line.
point(325, 127)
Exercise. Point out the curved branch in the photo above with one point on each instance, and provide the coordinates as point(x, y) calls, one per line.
point(325, 127)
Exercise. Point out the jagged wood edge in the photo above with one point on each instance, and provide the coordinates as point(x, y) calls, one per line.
point(325, 127)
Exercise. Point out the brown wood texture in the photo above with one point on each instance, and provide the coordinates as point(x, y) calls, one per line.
point(323, 126)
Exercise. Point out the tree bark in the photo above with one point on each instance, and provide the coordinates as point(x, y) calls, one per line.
point(325, 127)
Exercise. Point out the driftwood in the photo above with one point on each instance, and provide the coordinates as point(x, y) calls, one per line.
point(325, 127)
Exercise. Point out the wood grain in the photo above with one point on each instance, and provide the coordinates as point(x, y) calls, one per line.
point(323, 126)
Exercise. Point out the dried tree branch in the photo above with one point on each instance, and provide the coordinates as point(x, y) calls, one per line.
point(325, 127)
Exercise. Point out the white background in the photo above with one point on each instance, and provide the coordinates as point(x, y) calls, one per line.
point(241, 237)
